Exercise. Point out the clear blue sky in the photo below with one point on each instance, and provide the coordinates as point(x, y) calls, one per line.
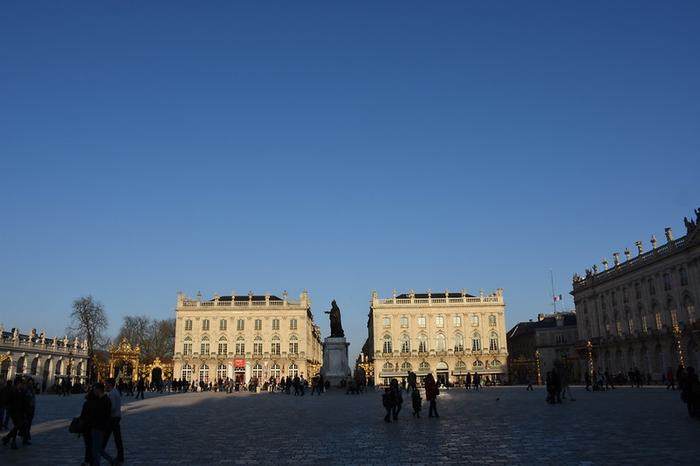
point(151, 147)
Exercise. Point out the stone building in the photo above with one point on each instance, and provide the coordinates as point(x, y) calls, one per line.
point(46, 360)
point(446, 334)
point(241, 337)
point(640, 312)
point(537, 347)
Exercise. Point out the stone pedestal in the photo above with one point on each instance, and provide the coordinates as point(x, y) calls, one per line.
point(335, 360)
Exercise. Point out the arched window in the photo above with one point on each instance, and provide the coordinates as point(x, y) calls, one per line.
point(459, 342)
point(440, 342)
point(187, 372)
point(223, 346)
point(405, 343)
point(406, 366)
point(293, 370)
point(424, 367)
point(476, 342)
point(493, 342)
point(204, 373)
point(240, 346)
point(275, 347)
point(478, 364)
point(293, 345)
point(257, 371)
point(496, 363)
point(387, 344)
point(275, 371)
point(187, 347)
point(422, 343)
point(258, 345)
point(221, 372)
point(388, 367)
point(460, 366)
point(205, 345)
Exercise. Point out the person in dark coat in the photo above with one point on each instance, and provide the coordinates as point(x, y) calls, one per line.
point(416, 402)
point(395, 391)
point(140, 388)
point(96, 414)
point(17, 407)
point(431, 393)
point(690, 392)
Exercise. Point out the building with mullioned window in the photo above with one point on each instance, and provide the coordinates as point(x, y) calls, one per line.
point(245, 337)
point(639, 313)
point(446, 334)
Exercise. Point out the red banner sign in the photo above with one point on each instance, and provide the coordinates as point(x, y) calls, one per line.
point(239, 363)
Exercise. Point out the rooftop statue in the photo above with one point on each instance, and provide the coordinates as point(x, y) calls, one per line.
point(336, 325)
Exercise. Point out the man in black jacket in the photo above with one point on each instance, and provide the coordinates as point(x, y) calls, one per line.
point(17, 407)
point(97, 413)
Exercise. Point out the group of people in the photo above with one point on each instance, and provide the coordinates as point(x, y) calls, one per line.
point(557, 384)
point(101, 419)
point(17, 405)
point(392, 398)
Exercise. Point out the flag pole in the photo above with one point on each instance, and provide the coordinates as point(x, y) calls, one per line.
point(554, 297)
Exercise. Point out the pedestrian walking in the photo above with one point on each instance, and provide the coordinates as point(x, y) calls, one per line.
point(416, 402)
point(16, 406)
point(431, 393)
point(140, 388)
point(115, 418)
point(97, 413)
point(395, 391)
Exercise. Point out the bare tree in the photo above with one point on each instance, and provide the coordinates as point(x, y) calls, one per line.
point(89, 320)
point(156, 338)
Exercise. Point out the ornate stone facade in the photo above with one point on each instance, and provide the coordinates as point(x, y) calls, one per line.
point(46, 360)
point(448, 334)
point(241, 337)
point(640, 313)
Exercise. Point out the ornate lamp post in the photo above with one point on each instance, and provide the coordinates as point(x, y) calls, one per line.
point(677, 335)
point(589, 347)
point(537, 367)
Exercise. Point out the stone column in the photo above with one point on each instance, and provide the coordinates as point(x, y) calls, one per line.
point(11, 368)
point(50, 377)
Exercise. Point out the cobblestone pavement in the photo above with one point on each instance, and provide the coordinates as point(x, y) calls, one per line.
point(496, 426)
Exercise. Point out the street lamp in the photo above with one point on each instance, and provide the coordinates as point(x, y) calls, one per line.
point(589, 347)
point(677, 335)
point(537, 366)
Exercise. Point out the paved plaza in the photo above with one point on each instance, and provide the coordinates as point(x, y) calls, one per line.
point(496, 426)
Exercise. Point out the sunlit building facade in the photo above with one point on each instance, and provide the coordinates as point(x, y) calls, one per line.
point(245, 337)
point(446, 334)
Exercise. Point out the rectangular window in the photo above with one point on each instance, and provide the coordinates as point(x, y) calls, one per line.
point(421, 322)
point(205, 324)
point(240, 324)
point(657, 316)
point(618, 327)
point(667, 282)
point(630, 323)
point(439, 321)
point(652, 288)
point(492, 321)
point(187, 348)
point(457, 321)
point(188, 324)
point(240, 348)
point(222, 324)
point(625, 297)
point(475, 320)
point(404, 322)
point(684, 277)
point(275, 324)
point(205, 348)
point(223, 348)
point(275, 348)
point(476, 344)
point(386, 322)
point(257, 347)
point(292, 324)
point(645, 327)
point(674, 318)
point(293, 347)
point(637, 291)
point(258, 324)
